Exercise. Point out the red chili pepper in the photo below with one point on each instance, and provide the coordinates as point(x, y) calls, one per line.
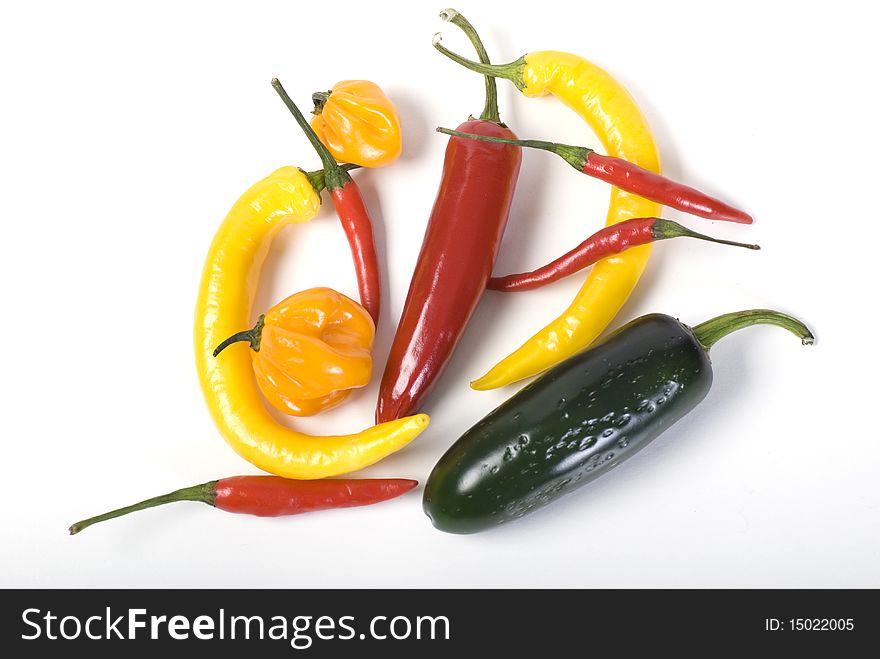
point(607, 241)
point(359, 230)
point(631, 178)
point(352, 214)
point(457, 255)
point(272, 496)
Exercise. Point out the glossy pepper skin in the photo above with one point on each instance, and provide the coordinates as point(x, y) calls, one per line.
point(229, 281)
point(271, 496)
point(456, 259)
point(580, 420)
point(358, 123)
point(658, 188)
point(621, 127)
point(310, 351)
point(358, 228)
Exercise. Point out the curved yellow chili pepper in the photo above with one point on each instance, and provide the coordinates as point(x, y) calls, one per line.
point(229, 281)
point(617, 121)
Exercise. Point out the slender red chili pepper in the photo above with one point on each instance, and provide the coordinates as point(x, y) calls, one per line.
point(607, 241)
point(272, 496)
point(631, 178)
point(359, 230)
point(456, 259)
point(352, 214)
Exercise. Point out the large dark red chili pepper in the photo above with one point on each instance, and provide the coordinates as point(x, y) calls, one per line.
point(609, 240)
point(352, 213)
point(272, 496)
point(629, 177)
point(457, 255)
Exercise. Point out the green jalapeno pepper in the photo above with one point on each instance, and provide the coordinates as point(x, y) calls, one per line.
point(581, 419)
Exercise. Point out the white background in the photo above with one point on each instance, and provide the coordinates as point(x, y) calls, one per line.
point(127, 132)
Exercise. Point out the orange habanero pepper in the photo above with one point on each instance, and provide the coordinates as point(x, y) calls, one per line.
point(310, 350)
point(358, 123)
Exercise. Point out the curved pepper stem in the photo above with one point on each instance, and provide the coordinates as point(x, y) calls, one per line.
point(335, 176)
point(490, 109)
point(711, 331)
point(511, 71)
point(252, 336)
point(206, 493)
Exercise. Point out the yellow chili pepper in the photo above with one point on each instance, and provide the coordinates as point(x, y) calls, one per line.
point(358, 123)
point(229, 281)
point(310, 351)
point(617, 121)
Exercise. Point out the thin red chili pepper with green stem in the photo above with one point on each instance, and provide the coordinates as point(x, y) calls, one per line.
point(609, 240)
point(629, 177)
point(351, 210)
point(272, 496)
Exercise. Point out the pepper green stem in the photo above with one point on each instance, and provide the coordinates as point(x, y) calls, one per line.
point(334, 176)
point(711, 331)
point(206, 493)
point(317, 179)
point(252, 336)
point(512, 71)
point(490, 109)
point(664, 229)
point(576, 156)
point(320, 99)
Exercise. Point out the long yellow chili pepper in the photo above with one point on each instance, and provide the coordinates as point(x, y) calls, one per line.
point(229, 281)
point(617, 121)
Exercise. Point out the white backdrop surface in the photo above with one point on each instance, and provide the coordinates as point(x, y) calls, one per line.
point(128, 129)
